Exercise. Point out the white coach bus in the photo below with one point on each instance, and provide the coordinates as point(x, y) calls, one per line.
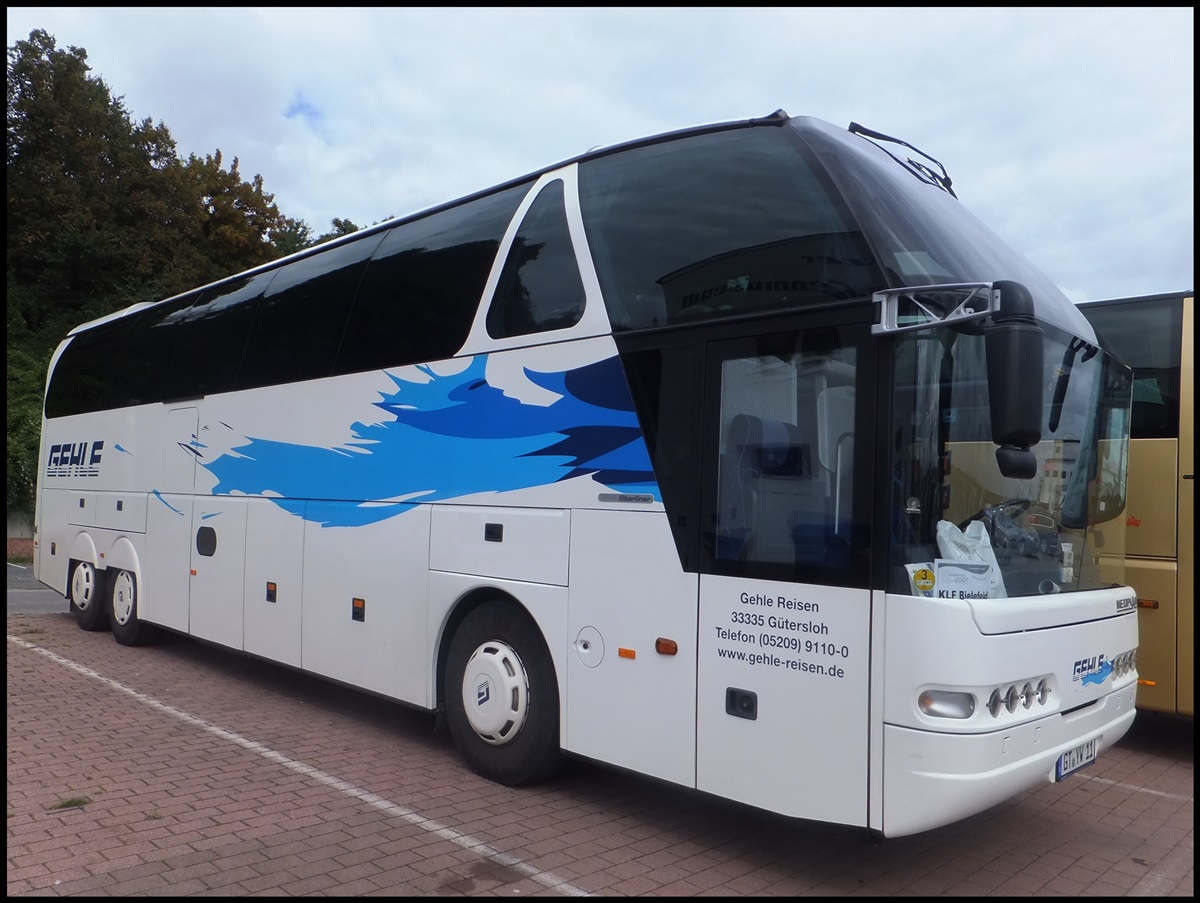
point(741, 456)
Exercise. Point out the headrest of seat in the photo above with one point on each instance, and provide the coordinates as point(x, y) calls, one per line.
point(774, 444)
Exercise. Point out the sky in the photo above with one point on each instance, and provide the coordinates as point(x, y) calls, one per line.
point(1068, 131)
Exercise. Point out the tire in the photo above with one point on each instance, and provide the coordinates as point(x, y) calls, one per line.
point(127, 628)
point(86, 591)
point(501, 696)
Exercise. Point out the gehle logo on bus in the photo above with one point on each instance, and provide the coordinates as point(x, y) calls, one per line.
point(1092, 670)
point(75, 459)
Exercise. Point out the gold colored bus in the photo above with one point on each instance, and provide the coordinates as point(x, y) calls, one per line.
point(1154, 335)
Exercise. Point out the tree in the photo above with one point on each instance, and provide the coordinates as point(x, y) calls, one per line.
point(102, 213)
point(26, 373)
point(80, 178)
point(226, 221)
point(340, 227)
point(295, 235)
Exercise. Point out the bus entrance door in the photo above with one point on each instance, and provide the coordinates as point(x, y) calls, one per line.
point(782, 691)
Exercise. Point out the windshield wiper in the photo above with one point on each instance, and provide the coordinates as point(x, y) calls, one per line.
point(917, 168)
point(1064, 377)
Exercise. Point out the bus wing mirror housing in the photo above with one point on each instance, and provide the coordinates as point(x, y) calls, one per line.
point(1014, 346)
point(923, 306)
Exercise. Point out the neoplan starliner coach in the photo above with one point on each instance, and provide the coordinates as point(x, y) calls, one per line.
point(743, 456)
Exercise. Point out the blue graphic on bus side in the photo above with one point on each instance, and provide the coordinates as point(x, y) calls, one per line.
point(454, 436)
point(158, 495)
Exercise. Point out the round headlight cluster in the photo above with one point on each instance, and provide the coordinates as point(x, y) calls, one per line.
point(1124, 663)
point(1018, 695)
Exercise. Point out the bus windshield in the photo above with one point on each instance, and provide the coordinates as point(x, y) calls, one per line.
point(921, 236)
point(954, 514)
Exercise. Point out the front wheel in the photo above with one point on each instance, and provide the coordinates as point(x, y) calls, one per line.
point(86, 592)
point(502, 696)
point(127, 627)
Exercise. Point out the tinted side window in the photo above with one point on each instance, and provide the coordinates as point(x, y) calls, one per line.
point(140, 366)
point(299, 322)
point(540, 287)
point(211, 338)
point(789, 466)
point(1147, 336)
point(719, 224)
point(423, 285)
point(83, 378)
point(662, 383)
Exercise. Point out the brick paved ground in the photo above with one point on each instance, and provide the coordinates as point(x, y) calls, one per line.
point(20, 549)
point(206, 773)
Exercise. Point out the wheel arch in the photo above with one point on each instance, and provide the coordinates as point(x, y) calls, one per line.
point(467, 603)
point(495, 644)
point(83, 548)
point(123, 556)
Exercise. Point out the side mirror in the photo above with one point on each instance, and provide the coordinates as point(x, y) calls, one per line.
point(1013, 344)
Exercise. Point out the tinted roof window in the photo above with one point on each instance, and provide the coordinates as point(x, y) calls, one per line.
point(420, 292)
point(540, 287)
point(719, 224)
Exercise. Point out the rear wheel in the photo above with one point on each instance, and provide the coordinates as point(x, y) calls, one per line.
point(502, 696)
point(86, 592)
point(127, 627)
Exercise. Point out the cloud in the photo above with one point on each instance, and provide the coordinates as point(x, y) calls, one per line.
point(1070, 132)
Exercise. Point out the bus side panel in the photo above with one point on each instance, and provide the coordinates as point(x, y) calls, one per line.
point(508, 543)
point(364, 599)
point(56, 537)
point(1186, 650)
point(169, 469)
point(1150, 513)
point(1155, 582)
point(628, 704)
point(782, 707)
point(121, 511)
point(1153, 561)
point(83, 512)
point(165, 582)
point(218, 569)
point(80, 465)
point(274, 582)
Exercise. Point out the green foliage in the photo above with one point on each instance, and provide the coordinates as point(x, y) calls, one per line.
point(102, 214)
point(226, 222)
point(340, 227)
point(26, 376)
point(82, 183)
point(295, 235)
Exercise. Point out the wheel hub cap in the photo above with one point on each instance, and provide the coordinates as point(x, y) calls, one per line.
point(123, 598)
point(83, 586)
point(495, 692)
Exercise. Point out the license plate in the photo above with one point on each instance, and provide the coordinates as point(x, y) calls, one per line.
point(1074, 759)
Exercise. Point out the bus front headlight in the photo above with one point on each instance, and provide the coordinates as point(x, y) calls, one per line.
point(946, 704)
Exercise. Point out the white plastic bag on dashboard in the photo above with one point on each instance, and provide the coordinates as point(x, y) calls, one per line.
point(972, 545)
